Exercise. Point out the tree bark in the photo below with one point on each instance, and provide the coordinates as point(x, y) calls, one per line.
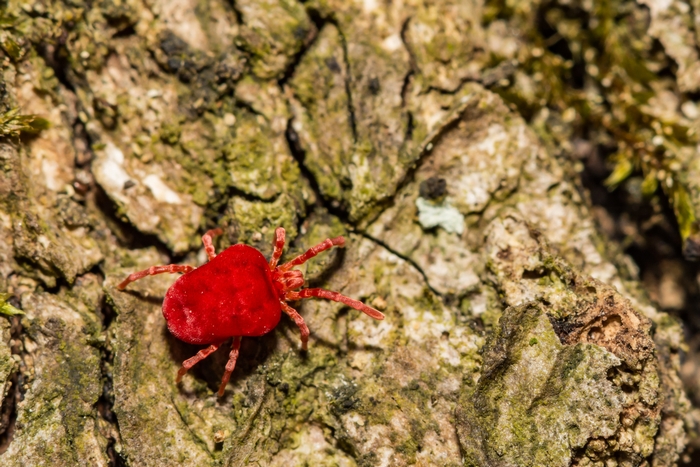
point(515, 332)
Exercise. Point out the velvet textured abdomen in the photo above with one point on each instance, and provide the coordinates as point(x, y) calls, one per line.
point(231, 295)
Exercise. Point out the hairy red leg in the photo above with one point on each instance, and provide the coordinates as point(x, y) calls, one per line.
point(313, 251)
point(190, 362)
point(336, 297)
point(303, 328)
point(208, 245)
point(231, 364)
point(152, 271)
point(279, 246)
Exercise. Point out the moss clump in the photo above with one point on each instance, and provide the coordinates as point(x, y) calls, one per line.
point(254, 222)
point(6, 307)
point(58, 420)
point(12, 123)
point(273, 31)
point(601, 80)
point(535, 404)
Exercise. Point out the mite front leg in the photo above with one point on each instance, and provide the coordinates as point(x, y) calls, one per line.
point(152, 271)
point(336, 297)
point(303, 328)
point(231, 364)
point(279, 246)
point(313, 251)
point(208, 244)
point(190, 362)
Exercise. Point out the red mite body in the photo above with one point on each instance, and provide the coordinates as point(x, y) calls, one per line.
point(208, 305)
point(238, 293)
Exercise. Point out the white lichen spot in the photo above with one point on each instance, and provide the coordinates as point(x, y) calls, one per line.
point(449, 354)
point(422, 32)
point(110, 169)
point(658, 6)
point(371, 334)
point(369, 5)
point(50, 170)
point(496, 134)
point(311, 448)
point(181, 17)
point(690, 110)
point(385, 455)
point(160, 190)
point(479, 304)
point(361, 360)
point(229, 119)
point(449, 386)
point(392, 43)
point(443, 215)
point(353, 422)
point(44, 241)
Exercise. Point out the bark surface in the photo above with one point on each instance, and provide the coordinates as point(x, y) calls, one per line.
point(428, 133)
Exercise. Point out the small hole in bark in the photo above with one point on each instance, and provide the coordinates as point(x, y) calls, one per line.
point(374, 86)
point(332, 64)
point(595, 334)
point(539, 274)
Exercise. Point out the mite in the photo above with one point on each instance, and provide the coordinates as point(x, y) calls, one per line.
point(238, 293)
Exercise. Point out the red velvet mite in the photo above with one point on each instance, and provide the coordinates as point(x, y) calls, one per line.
point(238, 293)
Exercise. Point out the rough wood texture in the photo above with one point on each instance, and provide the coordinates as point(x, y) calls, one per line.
point(515, 333)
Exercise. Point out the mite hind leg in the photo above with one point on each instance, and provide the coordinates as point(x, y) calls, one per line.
point(230, 365)
point(299, 321)
point(190, 362)
point(152, 271)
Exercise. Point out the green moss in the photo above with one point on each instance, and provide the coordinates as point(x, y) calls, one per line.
point(12, 123)
point(523, 411)
point(618, 105)
point(170, 131)
point(61, 400)
point(255, 221)
point(273, 31)
point(6, 308)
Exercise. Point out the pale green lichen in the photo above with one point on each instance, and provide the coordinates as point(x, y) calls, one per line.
point(443, 215)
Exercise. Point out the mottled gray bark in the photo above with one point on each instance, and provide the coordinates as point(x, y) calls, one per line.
point(515, 333)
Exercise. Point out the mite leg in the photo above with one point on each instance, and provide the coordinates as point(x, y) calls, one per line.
point(208, 245)
point(313, 251)
point(279, 245)
point(336, 297)
point(152, 271)
point(190, 362)
point(303, 328)
point(231, 364)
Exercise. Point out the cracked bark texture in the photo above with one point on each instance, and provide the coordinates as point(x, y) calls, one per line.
point(515, 333)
